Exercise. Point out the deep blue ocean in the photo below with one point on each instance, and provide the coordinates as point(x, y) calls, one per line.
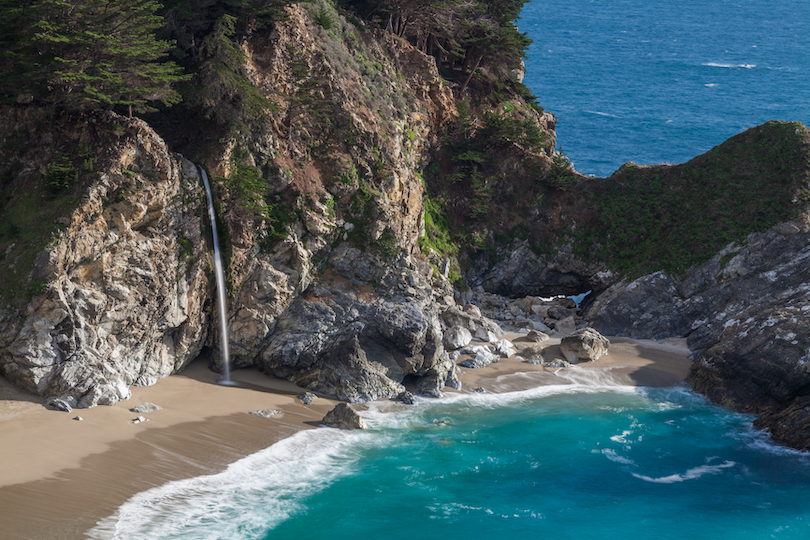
point(661, 81)
point(649, 81)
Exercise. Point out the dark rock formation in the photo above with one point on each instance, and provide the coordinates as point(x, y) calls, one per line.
point(745, 313)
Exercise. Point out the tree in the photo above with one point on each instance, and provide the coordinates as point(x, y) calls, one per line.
point(90, 54)
point(472, 32)
point(221, 88)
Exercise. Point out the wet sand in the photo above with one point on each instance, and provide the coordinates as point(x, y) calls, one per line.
point(629, 362)
point(60, 476)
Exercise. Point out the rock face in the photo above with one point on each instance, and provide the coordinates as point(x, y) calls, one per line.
point(584, 345)
point(335, 298)
point(522, 272)
point(356, 348)
point(745, 314)
point(126, 281)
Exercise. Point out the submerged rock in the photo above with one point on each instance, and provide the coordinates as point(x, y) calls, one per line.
point(558, 363)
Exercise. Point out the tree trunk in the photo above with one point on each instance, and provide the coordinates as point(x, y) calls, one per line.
point(472, 72)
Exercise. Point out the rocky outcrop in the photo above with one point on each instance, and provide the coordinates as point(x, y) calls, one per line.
point(344, 417)
point(522, 272)
point(340, 304)
point(332, 295)
point(357, 345)
point(745, 314)
point(126, 285)
point(584, 345)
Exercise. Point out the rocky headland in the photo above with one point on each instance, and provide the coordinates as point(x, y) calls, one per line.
point(378, 216)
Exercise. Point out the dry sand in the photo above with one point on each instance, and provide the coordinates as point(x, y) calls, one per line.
point(60, 476)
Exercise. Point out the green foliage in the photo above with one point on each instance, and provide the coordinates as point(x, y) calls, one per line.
point(279, 214)
point(61, 173)
point(322, 18)
point(221, 88)
point(438, 237)
point(91, 54)
point(670, 218)
point(501, 130)
point(246, 186)
point(461, 34)
point(68, 164)
point(386, 245)
point(562, 175)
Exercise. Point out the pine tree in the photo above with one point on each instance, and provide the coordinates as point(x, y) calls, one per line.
point(90, 54)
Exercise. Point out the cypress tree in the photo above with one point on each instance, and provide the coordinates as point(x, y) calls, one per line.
point(90, 54)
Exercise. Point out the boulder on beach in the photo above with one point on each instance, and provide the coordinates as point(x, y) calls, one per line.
point(307, 397)
point(584, 345)
point(146, 408)
point(536, 336)
point(345, 417)
point(482, 358)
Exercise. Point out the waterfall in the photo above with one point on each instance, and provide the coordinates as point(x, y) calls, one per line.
point(221, 292)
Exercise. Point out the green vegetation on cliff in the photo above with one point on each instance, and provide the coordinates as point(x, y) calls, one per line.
point(644, 219)
point(86, 54)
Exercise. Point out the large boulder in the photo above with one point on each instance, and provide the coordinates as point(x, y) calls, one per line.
point(584, 345)
point(456, 337)
point(345, 417)
point(470, 317)
point(357, 347)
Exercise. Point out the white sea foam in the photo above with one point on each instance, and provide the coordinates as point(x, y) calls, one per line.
point(730, 66)
point(690, 474)
point(230, 504)
point(621, 438)
point(760, 441)
point(602, 377)
point(616, 458)
point(599, 113)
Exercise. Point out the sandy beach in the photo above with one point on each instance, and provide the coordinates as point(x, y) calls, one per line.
point(60, 476)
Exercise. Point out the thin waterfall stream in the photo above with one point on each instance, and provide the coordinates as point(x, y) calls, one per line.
point(222, 298)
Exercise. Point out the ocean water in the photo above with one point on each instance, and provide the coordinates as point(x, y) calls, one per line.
point(661, 81)
point(650, 81)
point(564, 461)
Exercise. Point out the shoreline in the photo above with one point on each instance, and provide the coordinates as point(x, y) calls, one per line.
point(61, 476)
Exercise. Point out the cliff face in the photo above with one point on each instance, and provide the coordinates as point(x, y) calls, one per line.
point(336, 278)
point(123, 282)
point(327, 284)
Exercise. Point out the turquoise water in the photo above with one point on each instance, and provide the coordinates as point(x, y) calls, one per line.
point(645, 80)
point(656, 81)
point(557, 462)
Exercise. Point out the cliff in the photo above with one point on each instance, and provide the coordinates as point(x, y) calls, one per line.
point(320, 203)
point(369, 191)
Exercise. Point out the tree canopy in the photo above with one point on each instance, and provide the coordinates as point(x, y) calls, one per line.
point(459, 33)
point(88, 54)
